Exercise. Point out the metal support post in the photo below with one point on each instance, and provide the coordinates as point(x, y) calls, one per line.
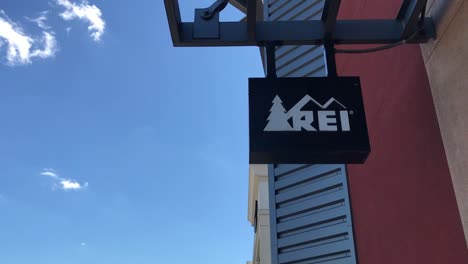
point(329, 15)
point(331, 61)
point(271, 60)
point(252, 19)
point(173, 19)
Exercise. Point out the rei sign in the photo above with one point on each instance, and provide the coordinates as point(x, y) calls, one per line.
point(307, 120)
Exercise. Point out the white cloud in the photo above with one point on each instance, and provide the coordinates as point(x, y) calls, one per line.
point(20, 47)
point(87, 12)
point(40, 20)
point(50, 46)
point(19, 44)
point(63, 183)
point(49, 172)
point(70, 185)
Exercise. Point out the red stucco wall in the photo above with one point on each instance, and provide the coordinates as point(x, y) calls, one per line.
point(404, 206)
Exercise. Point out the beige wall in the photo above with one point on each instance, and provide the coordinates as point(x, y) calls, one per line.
point(446, 62)
point(258, 191)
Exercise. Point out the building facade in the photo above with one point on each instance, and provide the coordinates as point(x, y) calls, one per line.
point(410, 198)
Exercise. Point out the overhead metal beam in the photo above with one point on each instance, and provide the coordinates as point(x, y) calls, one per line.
point(329, 15)
point(173, 18)
point(411, 15)
point(408, 24)
point(306, 33)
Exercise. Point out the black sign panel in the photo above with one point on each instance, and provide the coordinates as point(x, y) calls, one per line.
point(307, 121)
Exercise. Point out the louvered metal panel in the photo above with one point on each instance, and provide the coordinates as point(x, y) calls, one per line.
point(297, 61)
point(310, 214)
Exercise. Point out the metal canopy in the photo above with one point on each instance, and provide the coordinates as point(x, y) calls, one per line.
point(409, 25)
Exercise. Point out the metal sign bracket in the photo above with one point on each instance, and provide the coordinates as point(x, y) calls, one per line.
point(271, 60)
point(205, 28)
point(329, 15)
point(206, 25)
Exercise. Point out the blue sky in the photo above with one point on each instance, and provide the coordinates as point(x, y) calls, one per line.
point(116, 147)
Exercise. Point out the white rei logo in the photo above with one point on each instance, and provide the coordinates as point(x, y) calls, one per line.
point(327, 119)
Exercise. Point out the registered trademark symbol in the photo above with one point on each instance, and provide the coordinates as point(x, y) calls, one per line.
point(351, 112)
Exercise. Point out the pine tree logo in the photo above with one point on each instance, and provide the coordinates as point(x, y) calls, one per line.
point(278, 119)
point(323, 119)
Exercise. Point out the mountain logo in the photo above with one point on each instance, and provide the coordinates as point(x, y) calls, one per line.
point(297, 119)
